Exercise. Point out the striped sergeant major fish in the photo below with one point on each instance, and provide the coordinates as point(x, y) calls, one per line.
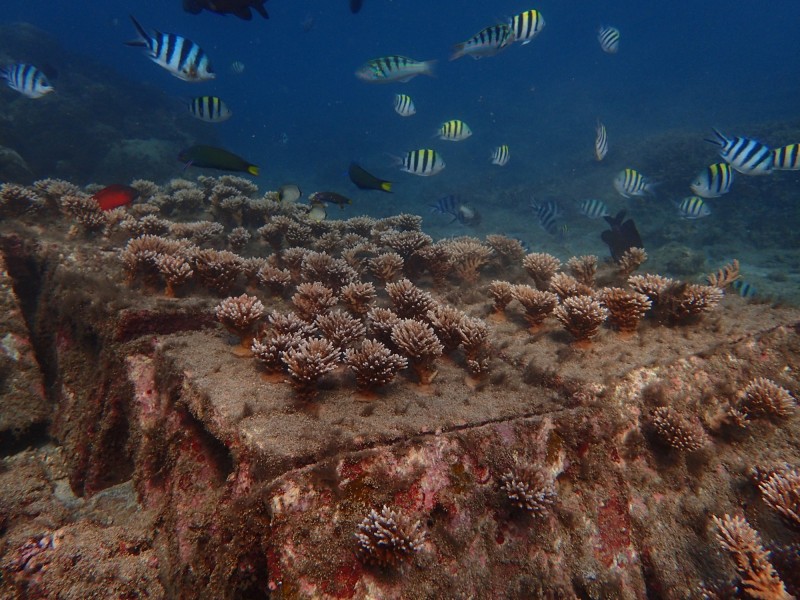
point(548, 213)
point(500, 155)
point(594, 208)
point(27, 80)
point(452, 205)
point(394, 68)
point(600, 141)
point(713, 181)
point(404, 105)
point(693, 207)
point(454, 130)
point(786, 158)
point(526, 25)
point(609, 39)
point(632, 183)
point(487, 42)
point(746, 155)
point(209, 109)
point(181, 57)
point(423, 162)
point(744, 289)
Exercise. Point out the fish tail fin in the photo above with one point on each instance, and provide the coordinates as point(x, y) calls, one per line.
point(143, 36)
point(396, 161)
point(651, 186)
point(253, 170)
point(458, 51)
point(721, 138)
point(386, 186)
point(429, 68)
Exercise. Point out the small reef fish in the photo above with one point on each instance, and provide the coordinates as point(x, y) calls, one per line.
point(746, 155)
point(594, 208)
point(632, 183)
point(548, 214)
point(454, 130)
point(209, 109)
point(211, 157)
point(27, 80)
point(289, 193)
point(317, 212)
point(239, 8)
point(500, 156)
point(329, 198)
point(744, 289)
point(621, 236)
point(600, 142)
point(693, 207)
point(609, 39)
point(115, 195)
point(526, 25)
point(404, 105)
point(394, 68)
point(452, 205)
point(181, 57)
point(487, 42)
point(367, 181)
point(423, 162)
point(786, 158)
point(237, 67)
point(713, 181)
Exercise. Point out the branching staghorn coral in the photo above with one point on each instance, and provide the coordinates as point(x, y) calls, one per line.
point(566, 286)
point(339, 328)
point(334, 273)
point(533, 493)
point(52, 190)
point(403, 222)
point(467, 257)
point(199, 232)
point(388, 538)
point(175, 269)
point(241, 315)
point(446, 322)
point(725, 276)
point(16, 200)
point(269, 350)
point(538, 304)
point(420, 344)
point(625, 308)
point(274, 231)
point(277, 280)
point(582, 316)
point(312, 299)
point(358, 297)
point(541, 267)
point(584, 269)
point(763, 397)
point(406, 243)
point(381, 322)
point(298, 234)
point(361, 225)
point(781, 492)
point(475, 341)
point(631, 259)
point(409, 301)
point(290, 323)
point(141, 255)
point(436, 259)
point(238, 238)
point(374, 364)
point(744, 546)
point(218, 269)
point(85, 210)
point(386, 267)
point(250, 268)
point(652, 286)
point(309, 361)
point(678, 432)
point(508, 250)
point(292, 259)
point(673, 301)
point(501, 293)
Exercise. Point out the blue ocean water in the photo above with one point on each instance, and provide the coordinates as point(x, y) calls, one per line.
point(302, 115)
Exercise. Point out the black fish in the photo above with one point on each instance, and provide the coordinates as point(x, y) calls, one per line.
point(367, 181)
point(330, 198)
point(240, 8)
point(210, 157)
point(622, 235)
point(355, 5)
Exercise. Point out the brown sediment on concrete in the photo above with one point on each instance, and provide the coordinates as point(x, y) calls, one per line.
point(173, 461)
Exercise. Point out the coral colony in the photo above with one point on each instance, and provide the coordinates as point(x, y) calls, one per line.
point(486, 408)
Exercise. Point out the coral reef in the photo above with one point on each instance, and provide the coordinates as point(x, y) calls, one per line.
point(309, 361)
point(241, 315)
point(373, 364)
point(625, 308)
point(408, 300)
point(538, 304)
point(358, 297)
point(781, 492)
point(541, 267)
point(678, 432)
point(764, 397)
point(581, 316)
point(421, 346)
point(631, 259)
point(529, 493)
point(501, 293)
point(388, 538)
point(313, 299)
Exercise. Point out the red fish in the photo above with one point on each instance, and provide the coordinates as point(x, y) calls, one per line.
point(115, 195)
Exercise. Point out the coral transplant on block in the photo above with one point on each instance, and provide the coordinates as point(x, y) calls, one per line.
point(209, 395)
